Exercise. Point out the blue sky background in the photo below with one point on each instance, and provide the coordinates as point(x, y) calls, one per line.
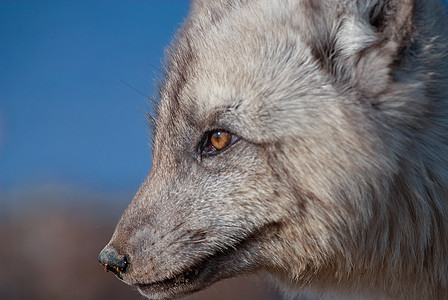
point(69, 114)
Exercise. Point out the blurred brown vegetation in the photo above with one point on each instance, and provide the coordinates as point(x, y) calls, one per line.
point(49, 242)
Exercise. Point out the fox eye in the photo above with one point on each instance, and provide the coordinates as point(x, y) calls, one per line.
point(217, 141)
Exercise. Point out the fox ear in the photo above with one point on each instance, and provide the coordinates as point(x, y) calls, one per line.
point(368, 42)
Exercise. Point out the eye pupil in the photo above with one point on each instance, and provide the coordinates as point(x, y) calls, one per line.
point(220, 139)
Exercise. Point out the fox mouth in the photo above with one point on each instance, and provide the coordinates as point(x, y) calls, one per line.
point(186, 282)
point(235, 260)
point(202, 274)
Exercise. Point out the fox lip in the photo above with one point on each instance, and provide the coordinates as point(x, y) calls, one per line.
point(234, 259)
point(196, 277)
point(188, 281)
point(202, 274)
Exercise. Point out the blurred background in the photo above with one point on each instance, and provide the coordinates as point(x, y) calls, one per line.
point(75, 77)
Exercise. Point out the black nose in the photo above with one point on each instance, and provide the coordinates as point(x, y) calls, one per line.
point(112, 261)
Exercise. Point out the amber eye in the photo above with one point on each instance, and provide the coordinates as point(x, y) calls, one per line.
point(217, 141)
point(220, 139)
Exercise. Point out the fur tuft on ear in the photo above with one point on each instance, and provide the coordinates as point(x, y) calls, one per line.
point(389, 26)
point(367, 42)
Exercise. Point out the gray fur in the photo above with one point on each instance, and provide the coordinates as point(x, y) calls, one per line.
point(339, 182)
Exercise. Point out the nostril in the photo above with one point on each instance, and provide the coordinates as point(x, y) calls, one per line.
point(113, 261)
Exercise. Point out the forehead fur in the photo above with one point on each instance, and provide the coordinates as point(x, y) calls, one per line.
point(217, 64)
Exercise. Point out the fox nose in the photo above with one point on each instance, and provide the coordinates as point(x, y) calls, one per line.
point(113, 261)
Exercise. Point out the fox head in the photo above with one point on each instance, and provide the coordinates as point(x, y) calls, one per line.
point(277, 144)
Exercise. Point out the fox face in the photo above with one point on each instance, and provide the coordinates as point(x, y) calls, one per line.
point(221, 189)
point(278, 143)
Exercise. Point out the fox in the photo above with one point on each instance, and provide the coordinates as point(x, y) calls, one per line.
point(305, 139)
